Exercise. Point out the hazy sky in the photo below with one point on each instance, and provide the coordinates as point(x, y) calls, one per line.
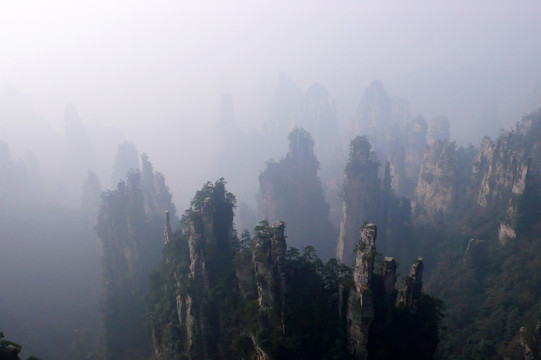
point(121, 60)
point(156, 69)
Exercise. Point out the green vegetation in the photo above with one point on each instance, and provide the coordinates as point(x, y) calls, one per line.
point(491, 285)
point(218, 297)
point(10, 350)
point(314, 329)
point(130, 225)
point(408, 333)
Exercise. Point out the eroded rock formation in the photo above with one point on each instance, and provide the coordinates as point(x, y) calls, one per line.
point(435, 194)
point(218, 297)
point(360, 302)
point(506, 171)
point(500, 169)
point(409, 295)
point(130, 225)
point(376, 319)
point(361, 196)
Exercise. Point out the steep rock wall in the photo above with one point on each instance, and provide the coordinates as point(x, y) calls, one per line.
point(361, 196)
point(435, 193)
point(218, 297)
point(360, 311)
point(131, 233)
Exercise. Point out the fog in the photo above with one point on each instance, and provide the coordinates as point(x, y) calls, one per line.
point(79, 78)
point(154, 72)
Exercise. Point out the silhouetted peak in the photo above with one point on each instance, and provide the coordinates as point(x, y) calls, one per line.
point(360, 150)
point(301, 144)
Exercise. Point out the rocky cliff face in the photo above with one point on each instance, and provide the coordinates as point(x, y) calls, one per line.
point(208, 297)
point(376, 320)
point(500, 170)
point(218, 297)
point(505, 169)
point(200, 237)
point(209, 234)
point(361, 196)
point(530, 340)
point(435, 193)
point(410, 294)
point(132, 239)
point(268, 258)
point(360, 302)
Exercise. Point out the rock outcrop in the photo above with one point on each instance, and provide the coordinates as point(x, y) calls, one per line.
point(530, 340)
point(198, 312)
point(413, 286)
point(268, 258)
point(374, 311)
point(526, 344)
point(167, 232)
point(435, 194)
point(218, 297)
point(130, 226)
point(361, 196)
point(505, 171)
point(360, 302)
point(209, 234)
point(500, 170)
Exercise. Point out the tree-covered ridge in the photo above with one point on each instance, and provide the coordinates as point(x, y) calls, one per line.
point(130, 225)
point(195, 280)
point(483, 252)
point(217, 296)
